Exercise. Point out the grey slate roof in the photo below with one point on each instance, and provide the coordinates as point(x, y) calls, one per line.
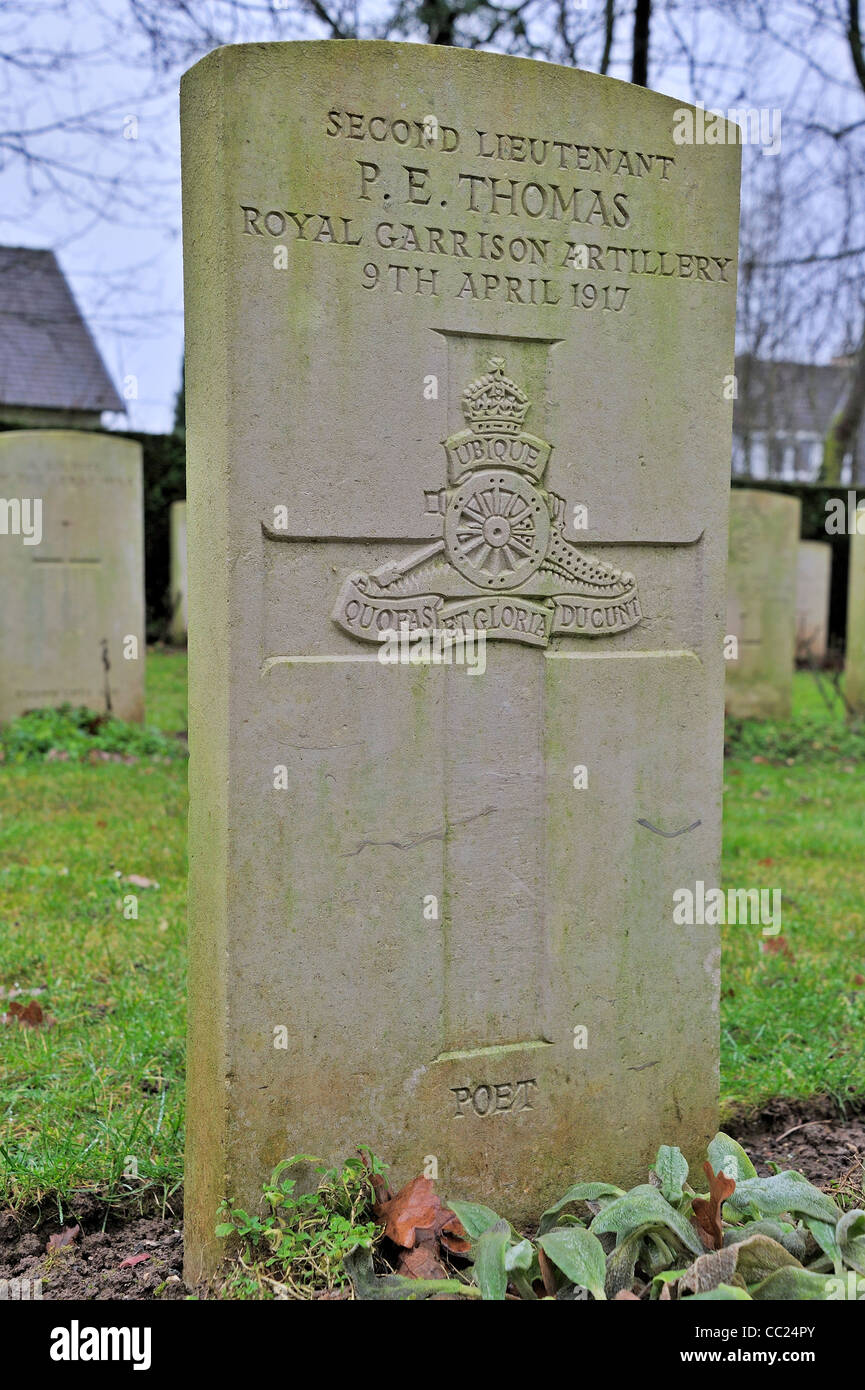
point(47, 356)
point(787, 396)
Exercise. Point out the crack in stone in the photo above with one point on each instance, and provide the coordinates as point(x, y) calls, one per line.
point(419, 839)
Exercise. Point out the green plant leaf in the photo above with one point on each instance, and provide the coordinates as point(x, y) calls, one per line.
point(723, 1149)
point(519, 1256)
point(580, 1192)
point(724, 1293)
point(784, 1192)
point(579, 1255)
point(671, 1167)
point(759, 1256)
point(667, 1276)
point(850, 1235)
point(825, 1235)
point(774, 1229)
point(793, 1284)
point(622, 1261)
point(657, 1255)
point(645, 1205)
point(369, 1285)
point(521, 1262)
point(475, 1218)
point(490, 1270)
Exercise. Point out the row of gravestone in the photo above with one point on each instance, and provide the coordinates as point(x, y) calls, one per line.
point(778, 595)
point(72, 572)
point(71, 568)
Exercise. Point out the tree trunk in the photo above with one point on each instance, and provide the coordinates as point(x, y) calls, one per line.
point(640, 64)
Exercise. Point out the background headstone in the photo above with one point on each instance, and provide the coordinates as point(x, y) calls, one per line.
point(854, 655)
point(73, 600)
point(813, 578)
point(761, 602)
point(432, 911)
point(179, 617)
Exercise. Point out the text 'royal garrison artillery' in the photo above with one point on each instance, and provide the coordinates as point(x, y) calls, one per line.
point(503, 564)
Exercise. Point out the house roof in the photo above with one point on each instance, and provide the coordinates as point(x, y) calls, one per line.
point(48, 359)
point(788, 396)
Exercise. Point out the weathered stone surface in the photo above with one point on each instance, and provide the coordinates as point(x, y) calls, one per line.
point(73, 598)
point(761, 602)
point(179, 586)
point(854, 654)
point(436, 901)
point(813, 578)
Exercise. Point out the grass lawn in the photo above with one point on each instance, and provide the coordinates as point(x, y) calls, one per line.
point(105, 1086)
point(793, 1024)
point(98, 1098)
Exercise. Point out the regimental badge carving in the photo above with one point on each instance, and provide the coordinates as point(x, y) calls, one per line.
point(503, 564)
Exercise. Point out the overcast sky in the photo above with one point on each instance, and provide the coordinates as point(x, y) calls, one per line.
point(89, 148)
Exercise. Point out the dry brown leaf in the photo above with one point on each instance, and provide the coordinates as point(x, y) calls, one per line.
point(708, 1271)
point(62, 1238)
point(416, 1215)
point(707, 1213)
point(776, 946)
point(415, 1210)
point(28, 1015)
point(453, 1235)
point(546, 1267)
point(421, 1263)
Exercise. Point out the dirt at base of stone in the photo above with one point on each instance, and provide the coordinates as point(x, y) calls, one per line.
point(109, 1259)
point(104, 1261)
point(813, 1137)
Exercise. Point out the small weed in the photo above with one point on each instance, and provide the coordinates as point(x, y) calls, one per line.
point(297, 1248)
point(72, 734)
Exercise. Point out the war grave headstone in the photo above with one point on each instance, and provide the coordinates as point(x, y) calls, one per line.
point(179, 607)
point(854, 654)
point(813, 579)
point(71, 573)
point(458, 328)
point(761, 602)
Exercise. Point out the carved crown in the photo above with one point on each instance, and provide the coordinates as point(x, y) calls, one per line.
point(494, 404)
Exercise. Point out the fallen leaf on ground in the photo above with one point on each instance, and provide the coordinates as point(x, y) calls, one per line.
point(776, 946)
point(421, 1263)
point(417, 1208)
point(62, 1238)
point(418, 1222)
point(707, 1212)
point(28, 1015)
